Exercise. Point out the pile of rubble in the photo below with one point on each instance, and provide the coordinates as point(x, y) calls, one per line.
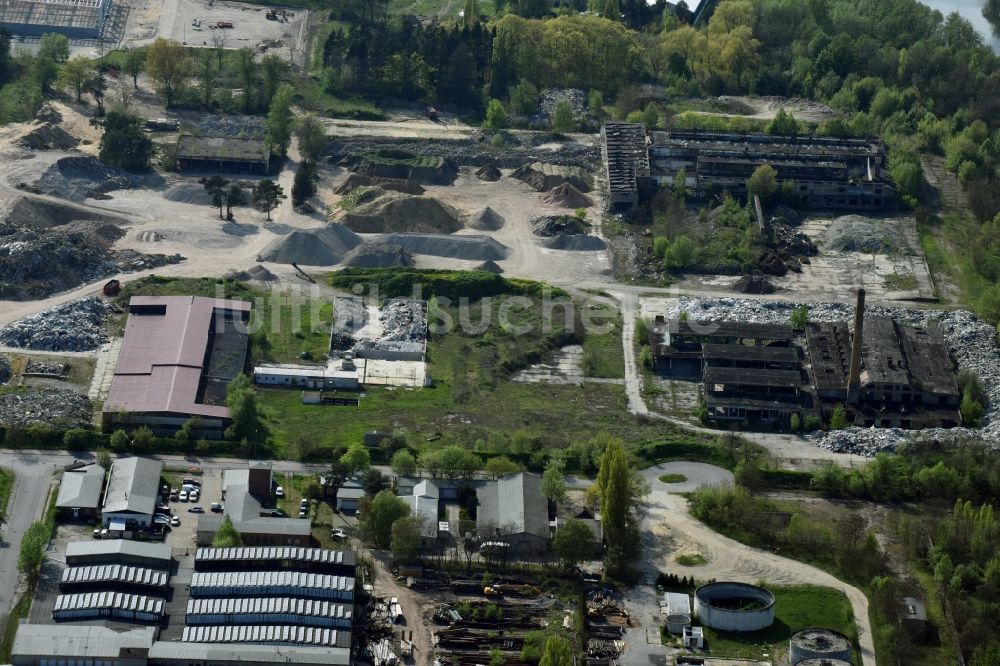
point(60, 408)
point(548, 226)
point(54, 369)
point(5, 369)
point(577, 100)
point(404, 327)
point(83, 177)
point(971, 343)
point(243, 127)
point(601, 648)
point(75, 326)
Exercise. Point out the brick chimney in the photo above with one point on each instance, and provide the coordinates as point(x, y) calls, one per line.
point(854, 378)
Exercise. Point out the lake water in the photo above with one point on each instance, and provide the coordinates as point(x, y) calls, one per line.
point(971, 10)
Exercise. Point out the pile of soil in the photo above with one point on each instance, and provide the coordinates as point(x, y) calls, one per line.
point(486, 220)
point(545, 177)
point(468, 247)
point(396, 212)
point(356, 180)
point(575, 243)
point(404, 165)
point(548, 226)
point(490, 267)
point(489, 173)
point(314, 247)
point(189, 193)
point(567, 196)
point(46, 134)
point(378, 255)
point(82, 177)
point(753, 284)
point(257, 273)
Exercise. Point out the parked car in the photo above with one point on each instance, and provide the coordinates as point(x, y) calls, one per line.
point(160, 519)
point(304, 512)
point(338, 534)
point(279, 492)
point(278, 513)
point(183, 496)
point(195, 509)
point(216, 507)
point(194, 496)
point(173, 494)
point(191, 482)
point(304, 503)
point(97, 534)
point(175, 521)
point(163, 508)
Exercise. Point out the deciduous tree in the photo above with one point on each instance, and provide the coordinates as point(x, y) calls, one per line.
point(280, 120)
point(227, 536)
point(406, 539)
point(356, 459)
point(573, 543)
point(403, 463)
point(123, 143)
point(75, 73)
point(554, 481)
point(379, 514)
point(312, 137)
point(169, 66)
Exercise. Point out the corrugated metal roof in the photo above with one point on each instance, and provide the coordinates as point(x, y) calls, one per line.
point(425, 508)
point(68, 641)
point(285, 553)
point(270, 579)
point(514, 502)
point(268, 605)
point(80, 488)
point(249, 654)
point(115, 548)
point(133, 486)
point(99, 600)
point(266, 633)
point(115, 573)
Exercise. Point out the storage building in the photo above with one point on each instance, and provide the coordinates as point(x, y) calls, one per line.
point(513, 509)
point(120, 576)
point(80, 492)
point(311, 560)
point(176, 653)
point(76, 19)
point(225, 154)
point(272, 583)
point(111, 605)
point(81, 645)
point(119, 551)
point(267, 634)
point(130, 498)
point(269, 610)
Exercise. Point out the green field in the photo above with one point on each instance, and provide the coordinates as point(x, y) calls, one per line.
point(6, 483)
point(795, 608)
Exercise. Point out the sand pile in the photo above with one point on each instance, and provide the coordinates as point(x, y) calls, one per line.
point(567, 196)
point(189, 193)
point(396, 212)
point(575, 242)
point(258, 273)
point(490, 267)
point(469, 247)
point(356, 180)
point(489, 173)
point(545, 177)
point(486, 220)
point(315, 247)
point(378, 255)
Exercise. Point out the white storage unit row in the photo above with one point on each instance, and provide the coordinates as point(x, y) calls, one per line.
point(275, 553)
point(272, 584)
point(269, 610)
point(114, 574)
point(266, 634)
point(108, 604)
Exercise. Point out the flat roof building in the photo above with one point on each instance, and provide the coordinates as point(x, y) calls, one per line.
point(80, 491)
point(223, 154)
point(76, 19)
point(514, 509)
point(178, 355)
point(120, 551)
point(175, 653)
point(44, 644)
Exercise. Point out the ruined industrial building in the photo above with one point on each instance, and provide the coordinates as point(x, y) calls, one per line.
point(76, 19)
point(827, 173)
point(899, 375)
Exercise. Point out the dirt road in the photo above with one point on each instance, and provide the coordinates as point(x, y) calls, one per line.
point(668, 528)
point(417, 625)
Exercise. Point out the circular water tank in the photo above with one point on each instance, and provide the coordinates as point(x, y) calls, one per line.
point(734, 606)
point(677, 621)
point(823, 644)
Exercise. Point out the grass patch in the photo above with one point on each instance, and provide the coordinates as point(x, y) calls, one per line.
point(795, 608)
point(673, 478)
point(6, 484)
point(691, 560)
point(17, 613)
point(423, 283)
point(897, 282)
point(602, 352)
point(402, 158)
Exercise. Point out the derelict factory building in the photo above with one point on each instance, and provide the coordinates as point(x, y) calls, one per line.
point(76, 19)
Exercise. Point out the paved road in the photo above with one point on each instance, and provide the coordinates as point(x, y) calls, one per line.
point(31, 485)
point(669, 529)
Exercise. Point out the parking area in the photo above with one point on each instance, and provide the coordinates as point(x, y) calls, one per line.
point(182, 538)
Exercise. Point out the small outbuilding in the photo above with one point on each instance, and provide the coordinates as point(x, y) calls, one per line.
point(223, 154)
point(80, 492)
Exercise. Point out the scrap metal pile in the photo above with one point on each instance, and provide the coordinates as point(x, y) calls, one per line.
point(75, 326)
point(404, 327)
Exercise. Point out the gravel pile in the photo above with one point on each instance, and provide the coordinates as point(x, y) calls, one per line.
point(35, 368)
point(61, 408)
point(474, 151)
point(552, 96)
point(349, 315)
point(854, 233)
point(378, 255)
point(567, 196)
point(82, 177)
point(489, 173)
point(75, 326)
point(543, 177)
point(490, 267)
point(971, 342)
point(325, 246)
point(258, 273)
point(243, 127)
point(472, 247)
point(356, 180)
point(5, 369)
point(575, 243)
point(396, 212)
point(486, 220)
point(189, 193)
